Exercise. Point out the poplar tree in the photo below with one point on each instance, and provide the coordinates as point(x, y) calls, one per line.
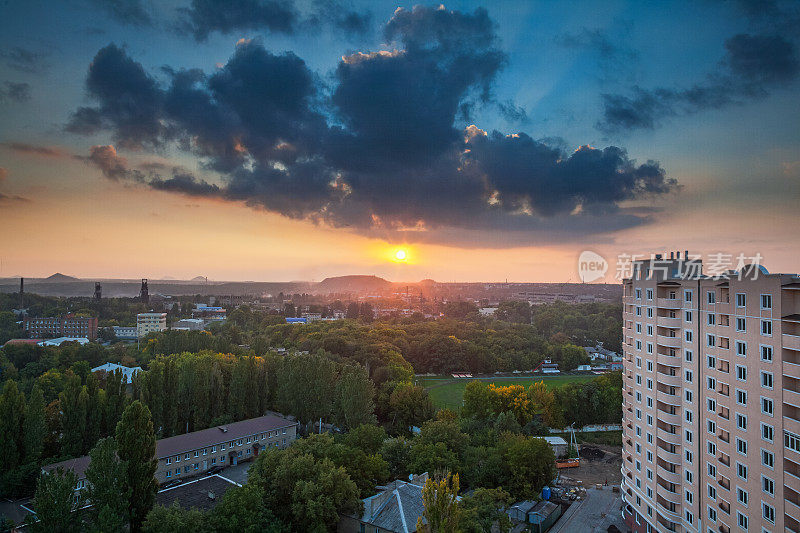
point(106, 488)
point(35, 427)
point(12, 416)
point(136, 443)
point(56, 503)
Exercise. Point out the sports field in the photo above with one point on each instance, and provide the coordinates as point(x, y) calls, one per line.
point(445, 391)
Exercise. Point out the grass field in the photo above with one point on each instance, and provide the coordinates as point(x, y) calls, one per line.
point(448, 392)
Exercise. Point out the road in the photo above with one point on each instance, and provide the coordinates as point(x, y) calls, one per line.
point(595, 513)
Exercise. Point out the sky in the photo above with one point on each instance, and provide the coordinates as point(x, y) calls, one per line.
point(273, 140)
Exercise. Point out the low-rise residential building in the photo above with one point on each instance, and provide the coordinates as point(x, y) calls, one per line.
point(66, 326)
point(125, 333)
point(127, 371)
point(147, 323)
point(394, 509)
point(558, 444)
point(547, 367)
point(192, 454)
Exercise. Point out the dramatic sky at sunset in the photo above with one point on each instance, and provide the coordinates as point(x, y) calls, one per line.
point(269, 140)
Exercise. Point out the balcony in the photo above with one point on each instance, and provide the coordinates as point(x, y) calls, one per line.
point(669, 303)
point(792, 342)
point(668, 379)
point(791, 424)
point(670, 457)
point(669, 399)
point(724, 483)
point(671, 360)
point(670, 438)
point(791, 397)
point(666, 513)
point(669, 342)
point(725, 459)
point(791, 370)
point(674, 420)
point(669, 322)
point(666, 475)
point(792, 509)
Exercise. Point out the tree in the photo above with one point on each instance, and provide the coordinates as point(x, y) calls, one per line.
point(73, 400)
point(12, 416)
point(442, 512)
point(106, 488)
point(478, 401)
point(354, 398)
point(56, 503)
point(409, 405)
point(136, 443)
point(242, 511)
point(530, 464)
point(35, 427)
point(368, 438)
point(483, 509)
point(307, 494)
point(174, 519)
point(517, 311)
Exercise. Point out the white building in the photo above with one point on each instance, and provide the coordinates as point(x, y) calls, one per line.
point(147, 323)
point(110, 368)
point(60, 340)
point(189, 324)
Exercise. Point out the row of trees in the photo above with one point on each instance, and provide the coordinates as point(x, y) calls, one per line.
point(120, 483)
point(597, 401)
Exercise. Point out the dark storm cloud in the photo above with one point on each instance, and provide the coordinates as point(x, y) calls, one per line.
point(612, 53)
point(23, 59)
point(386, 152)
point(204, 17)
point(131, 12)
point(753, 65)
point(14, 92)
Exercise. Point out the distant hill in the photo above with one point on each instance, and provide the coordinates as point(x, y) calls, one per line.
point(201, 279)
point(58, 277)
point(352, 284)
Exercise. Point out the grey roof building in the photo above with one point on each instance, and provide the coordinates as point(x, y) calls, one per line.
point(395, 508)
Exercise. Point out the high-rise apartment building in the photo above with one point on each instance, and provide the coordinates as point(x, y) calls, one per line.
point(711, 399)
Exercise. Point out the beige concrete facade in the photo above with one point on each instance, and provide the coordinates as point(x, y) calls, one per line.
point(711, 400)
point(147, 323)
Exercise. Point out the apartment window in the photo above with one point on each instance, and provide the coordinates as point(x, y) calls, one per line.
point(766, 379)
point(649, 347)
point(766, 301)
point(649, 456)
point(768, 485)
point(689, 476)
point(712, 492)
point(711, 426)
point(687, 296)
point(689, 416)
point(711, 405)
point(741, 299)
point(639, 397)
point(741, 495)
point(712, 319)
point(741, 471)
point(742, 520)
point(688, 374)
point(639, 345)
point(711, 383)
point(188, 455)
point(638, 294)
point(767, 432)
point(649, 312)
point(169, 473)
point(689, 517)
point(649, 366)
point(712, 516)
point(741, 348)
point(638, 311)
point(688, 335)
point(711, 340)
point(712, 470)
point(649, 384)
point(741, 324)
point(688, 436)
point(638, 414)
point(688, 394)
point(649, 330)
point(196, 454)
point(711, 361)
point(768, 512)
point(766, 353)
point(177, 458)
point(711, 447)
point(688, 316)
point(741, 397)
point(741, 446)
point(649, 420)
point(638, 327)
point(649, 294)
point(712, 297)
point(768, 459)
point(767, 406)
point(766, 328)
point(741, 373)
point(688, 355)
point(741, 421)
point(689, 456)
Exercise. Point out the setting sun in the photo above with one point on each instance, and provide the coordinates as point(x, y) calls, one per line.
point(400, 255)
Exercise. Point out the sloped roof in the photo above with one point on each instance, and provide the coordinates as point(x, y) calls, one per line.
point(399, 513)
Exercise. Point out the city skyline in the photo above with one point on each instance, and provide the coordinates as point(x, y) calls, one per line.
point(488, 142)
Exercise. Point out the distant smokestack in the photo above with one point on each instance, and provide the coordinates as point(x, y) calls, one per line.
point(22, 285)
point(98, 291)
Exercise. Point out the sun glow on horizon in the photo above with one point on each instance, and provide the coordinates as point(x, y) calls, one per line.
point(400, 255)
